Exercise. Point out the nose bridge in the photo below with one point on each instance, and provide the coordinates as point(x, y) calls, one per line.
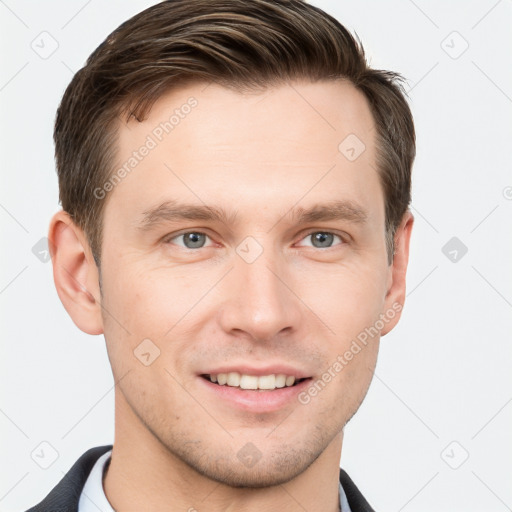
point(261, 304)
point(261, 278)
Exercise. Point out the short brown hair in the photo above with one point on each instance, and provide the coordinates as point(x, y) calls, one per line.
point(238, 44)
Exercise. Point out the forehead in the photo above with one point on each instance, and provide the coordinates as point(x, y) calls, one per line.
point(295, 143)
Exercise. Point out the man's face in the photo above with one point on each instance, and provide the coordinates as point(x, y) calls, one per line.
point(260, 292)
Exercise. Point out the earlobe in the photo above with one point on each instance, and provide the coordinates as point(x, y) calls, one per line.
point(75, 273)
point(395, 297)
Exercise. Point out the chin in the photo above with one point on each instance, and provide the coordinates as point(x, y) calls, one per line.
point(271, 469)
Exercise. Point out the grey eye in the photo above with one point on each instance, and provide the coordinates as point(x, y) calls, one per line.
point(322, 239)
point(193, 239)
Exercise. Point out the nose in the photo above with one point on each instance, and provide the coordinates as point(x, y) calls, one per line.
point(259, 299)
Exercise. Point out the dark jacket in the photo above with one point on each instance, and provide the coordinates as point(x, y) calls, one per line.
point(65, 495)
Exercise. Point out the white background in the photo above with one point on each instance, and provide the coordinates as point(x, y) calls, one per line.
point(443, 375)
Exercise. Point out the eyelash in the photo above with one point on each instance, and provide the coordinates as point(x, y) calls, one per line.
point(343, 239)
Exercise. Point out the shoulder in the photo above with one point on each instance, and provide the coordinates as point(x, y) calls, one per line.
point(64, 497)
point(355, 498)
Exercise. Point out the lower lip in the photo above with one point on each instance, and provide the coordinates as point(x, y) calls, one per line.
point(256, 400)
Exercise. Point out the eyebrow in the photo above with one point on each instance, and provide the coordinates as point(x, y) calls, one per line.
point(172, 210)
point(334, 210)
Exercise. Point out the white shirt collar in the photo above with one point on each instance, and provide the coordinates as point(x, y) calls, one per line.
point(93, 498)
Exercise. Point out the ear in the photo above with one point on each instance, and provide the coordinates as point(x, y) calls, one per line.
point(75, 273)
point(395, 297)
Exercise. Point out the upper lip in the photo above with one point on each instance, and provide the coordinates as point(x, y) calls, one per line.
point(243, 369)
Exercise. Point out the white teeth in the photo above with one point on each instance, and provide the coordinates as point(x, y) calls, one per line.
point(268, 382)
point(234, 379)
point(249, 382)
point(280, 381)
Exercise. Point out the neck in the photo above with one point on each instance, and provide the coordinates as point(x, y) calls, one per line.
point(144, 475)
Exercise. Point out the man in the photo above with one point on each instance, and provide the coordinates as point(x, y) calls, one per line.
point(235, 183)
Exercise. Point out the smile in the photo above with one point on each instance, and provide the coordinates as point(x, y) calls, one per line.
point(253, 382)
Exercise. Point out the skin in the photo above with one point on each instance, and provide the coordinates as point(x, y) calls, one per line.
point(258, 154)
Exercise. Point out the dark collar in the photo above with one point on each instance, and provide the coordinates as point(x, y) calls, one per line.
point(64, 497)
point(355, 499)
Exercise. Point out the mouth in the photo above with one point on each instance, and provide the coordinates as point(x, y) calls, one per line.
point(247, 382)
point(254, 391)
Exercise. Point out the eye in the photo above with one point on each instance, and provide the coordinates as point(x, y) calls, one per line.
point(322, 239)
point(191, 239)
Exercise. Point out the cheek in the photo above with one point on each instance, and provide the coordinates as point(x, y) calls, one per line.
point(149, 303)
point(145, 304)
point(348, 298)
point(340, 390)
